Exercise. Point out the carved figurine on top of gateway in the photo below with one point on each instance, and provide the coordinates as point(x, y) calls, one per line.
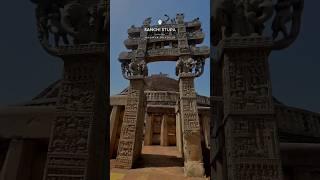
point(169, 39)
point(64, 22)
point(247, 17)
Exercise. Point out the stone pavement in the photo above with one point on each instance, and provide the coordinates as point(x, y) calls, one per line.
point(156, 163)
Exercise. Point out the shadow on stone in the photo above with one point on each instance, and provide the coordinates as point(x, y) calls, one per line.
point(155, 160)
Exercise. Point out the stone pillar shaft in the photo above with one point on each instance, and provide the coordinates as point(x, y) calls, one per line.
point(77, 147)
point(114, 125)
point(193, 162)
point(164, 131)
point(131, 137)
point(18, 161)
point(251, 139)
point(179, 142)
point(149, 130)
point(206, 129)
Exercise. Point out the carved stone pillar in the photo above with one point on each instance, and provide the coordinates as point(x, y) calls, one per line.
point(179, 142)
point(193, 162)
point(114, 127)
point(78, 146)
point(206, 129)
point(79, 139)
point(18, 162)
point(149, 130)
point(250, 130)
point(164, 131)
point(131, 137)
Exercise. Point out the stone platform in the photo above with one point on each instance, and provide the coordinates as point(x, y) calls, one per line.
point(156, 163)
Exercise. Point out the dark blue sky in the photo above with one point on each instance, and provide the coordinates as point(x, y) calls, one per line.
point(25, 68)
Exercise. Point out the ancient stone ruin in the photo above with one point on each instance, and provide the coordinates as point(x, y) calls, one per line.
point(168, 41)
point(245, 138)
point(77, 147)
point(61, 132)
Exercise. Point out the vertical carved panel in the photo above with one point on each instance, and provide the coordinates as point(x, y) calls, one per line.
point(69, 152)
point(252, 148)
point(247, 83)
point(250, 130)
point(190, 127)
point(130, 143)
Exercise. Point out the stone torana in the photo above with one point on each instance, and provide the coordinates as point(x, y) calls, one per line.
point(167, 41)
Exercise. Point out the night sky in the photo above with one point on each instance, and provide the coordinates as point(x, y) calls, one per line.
point(26, 69)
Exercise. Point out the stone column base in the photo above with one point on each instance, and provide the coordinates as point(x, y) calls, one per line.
point(193, 169)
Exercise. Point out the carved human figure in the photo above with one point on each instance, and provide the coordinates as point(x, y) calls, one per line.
point(55, 26)
point(283, 16)
point(189, 65)
point(199, 66)
point(258, 12)
point(142, 68)
point(75, 19)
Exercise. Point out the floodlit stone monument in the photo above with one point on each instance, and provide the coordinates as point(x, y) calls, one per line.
point(75, 31)
point(245, 139)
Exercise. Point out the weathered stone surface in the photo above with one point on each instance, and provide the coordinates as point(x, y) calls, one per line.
point(193, 165)
point(248, 144)
point(190, 61)
point(148, 130)
point(131, 137)
point(78, 132)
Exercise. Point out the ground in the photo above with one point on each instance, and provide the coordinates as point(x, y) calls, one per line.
point(156, 163)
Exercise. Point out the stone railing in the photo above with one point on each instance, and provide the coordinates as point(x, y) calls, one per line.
point(294, 122)
point(203, 100)
point(162, 96)
point(172, 97)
